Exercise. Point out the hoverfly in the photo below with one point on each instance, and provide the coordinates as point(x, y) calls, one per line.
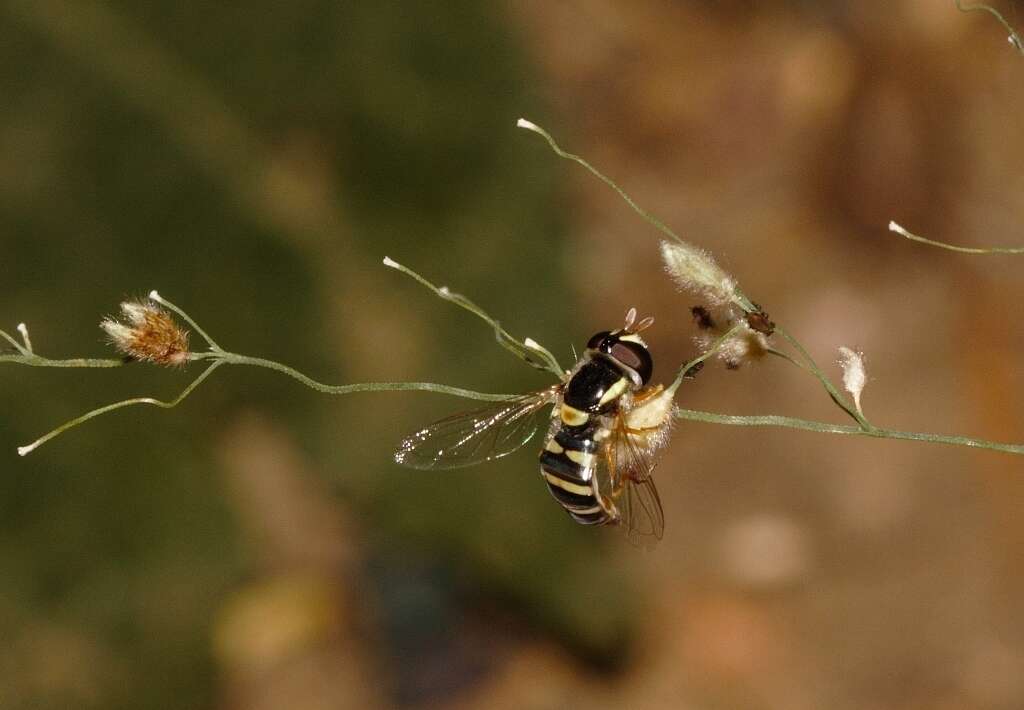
point(606, 424)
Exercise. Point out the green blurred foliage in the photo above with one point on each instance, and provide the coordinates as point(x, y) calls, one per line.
point(116, 540)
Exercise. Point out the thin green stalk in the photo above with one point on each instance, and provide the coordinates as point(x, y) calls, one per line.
point(17, 346)
point(715, 346)
point(841, 403)
point(527, 350)
point(36, 361)
point(849, 429)
point(186, 317)
point(25, 450)
point(26, 356)
point(743, 301)
point(893, 227)
point(221, 357)
point(833, 392)
point(236, 359)
point(658, 224)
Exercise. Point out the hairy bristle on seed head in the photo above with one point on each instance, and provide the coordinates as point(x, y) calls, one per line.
point(696, 271)
point(854, 373)
point(149, 334)
point(743, 346)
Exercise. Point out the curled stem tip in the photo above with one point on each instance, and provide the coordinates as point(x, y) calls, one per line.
point(23, 329)
point(647, 216)
point(186, 317)
point(1014, 38)
point(903, 232)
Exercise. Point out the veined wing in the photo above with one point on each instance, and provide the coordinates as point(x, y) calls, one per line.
point(629, 467)
point(473, 437)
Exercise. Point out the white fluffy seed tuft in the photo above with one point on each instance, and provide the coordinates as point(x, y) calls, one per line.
point(855, 375)
point(696, 271)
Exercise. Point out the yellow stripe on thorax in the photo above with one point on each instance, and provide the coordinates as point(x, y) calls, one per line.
point(615, 391)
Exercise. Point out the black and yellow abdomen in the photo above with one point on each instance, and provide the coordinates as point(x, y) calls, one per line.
point(569, 458)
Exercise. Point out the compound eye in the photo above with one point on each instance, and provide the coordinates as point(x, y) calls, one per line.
point(635, 357)
point(595, 342)
point(626, 355)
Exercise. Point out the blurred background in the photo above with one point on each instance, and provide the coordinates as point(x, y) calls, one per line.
point(258, 548)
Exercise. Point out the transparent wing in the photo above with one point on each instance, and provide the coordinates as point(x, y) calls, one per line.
point(473, 437)
point(629, 472)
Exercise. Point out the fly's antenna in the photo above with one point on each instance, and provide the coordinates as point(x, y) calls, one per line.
point(630, 317)
point(644, 324)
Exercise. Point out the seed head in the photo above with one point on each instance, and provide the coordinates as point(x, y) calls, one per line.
point(696, 271)
point(745, 345)
point(148, 333)
point(854, 373)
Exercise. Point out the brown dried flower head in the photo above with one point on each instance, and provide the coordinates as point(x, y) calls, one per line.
point(745, 345)
point(148, 333)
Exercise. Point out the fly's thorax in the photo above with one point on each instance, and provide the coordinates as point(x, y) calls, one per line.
point(594, 388)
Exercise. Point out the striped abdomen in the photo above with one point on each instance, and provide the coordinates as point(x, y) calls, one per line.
point(569, 458)
point(567, 464)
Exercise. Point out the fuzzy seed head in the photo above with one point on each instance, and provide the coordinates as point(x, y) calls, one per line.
point(696, 271)
point(854, 373)
point(148, 333)
point(745, 345)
